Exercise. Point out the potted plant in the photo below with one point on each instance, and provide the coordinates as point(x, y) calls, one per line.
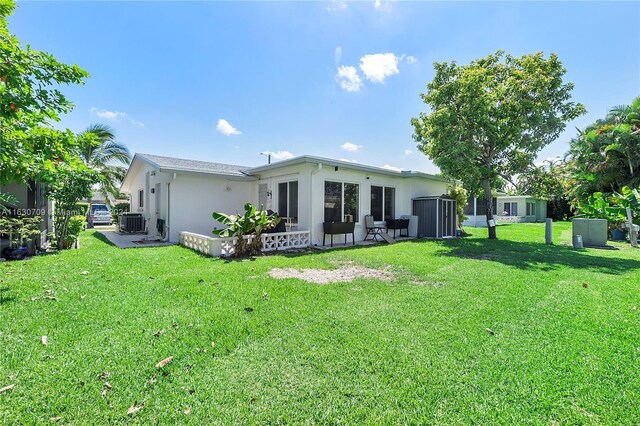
point(618, 232)
point(21, 231)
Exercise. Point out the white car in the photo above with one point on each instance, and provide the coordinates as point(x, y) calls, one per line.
point(100, 214)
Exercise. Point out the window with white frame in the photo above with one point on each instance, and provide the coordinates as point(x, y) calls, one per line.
point(383, 200)
point(141, 198)
point(531, 209)
point(510, 209)
point(288, 200)
point(341, 201)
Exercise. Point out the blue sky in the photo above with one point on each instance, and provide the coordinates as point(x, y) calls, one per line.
point(334, 79)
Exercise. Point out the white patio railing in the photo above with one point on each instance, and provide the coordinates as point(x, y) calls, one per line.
point(223, 246)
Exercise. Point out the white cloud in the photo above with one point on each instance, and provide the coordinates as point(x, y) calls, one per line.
point(115, 116)
point(347, 160)
point(351, 147)
point(348, 78)
point(279, 155)
point(337, 54)
point(226, 129)
point(378, 66)
point(411, 59)
point(390, 167)
point(408, 152)
point(383, 5)
point(337, 5)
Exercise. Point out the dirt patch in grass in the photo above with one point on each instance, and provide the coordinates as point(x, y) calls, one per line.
point(346, 273)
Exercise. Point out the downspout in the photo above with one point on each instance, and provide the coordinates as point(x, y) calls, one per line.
point(167, 226)
point(168, 223)
point(313, 173)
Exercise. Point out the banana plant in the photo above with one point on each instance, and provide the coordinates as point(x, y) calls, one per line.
point(612, 207)
point(252, 222)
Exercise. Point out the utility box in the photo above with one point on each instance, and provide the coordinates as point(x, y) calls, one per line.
point(594, 231)
point(413, 225)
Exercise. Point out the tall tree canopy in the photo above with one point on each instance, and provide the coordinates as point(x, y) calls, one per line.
point(489, 119)
point(605, 157)
point(30, 100)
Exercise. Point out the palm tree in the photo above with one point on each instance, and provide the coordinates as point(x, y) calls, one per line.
point(606, 155)
point(98, 148)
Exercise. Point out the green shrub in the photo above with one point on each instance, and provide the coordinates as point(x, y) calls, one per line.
point(460, 195)
point(80, 209)
point(118, 209)
point(74, 228)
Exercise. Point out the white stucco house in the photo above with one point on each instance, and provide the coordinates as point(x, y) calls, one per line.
point(507, 209)
point(306, 191)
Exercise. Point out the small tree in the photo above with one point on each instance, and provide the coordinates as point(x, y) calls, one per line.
point(252, 222)
point(489, 119)
point(460, 195)
point(73, 183)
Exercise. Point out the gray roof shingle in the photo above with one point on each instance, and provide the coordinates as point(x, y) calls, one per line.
point(181, 164)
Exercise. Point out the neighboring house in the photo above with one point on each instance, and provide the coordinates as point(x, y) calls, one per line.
point(306, 191)
point(506, 208)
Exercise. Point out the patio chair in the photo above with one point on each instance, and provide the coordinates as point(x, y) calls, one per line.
point(372, 230)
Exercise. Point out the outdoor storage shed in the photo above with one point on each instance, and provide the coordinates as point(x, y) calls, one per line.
point(436, 216)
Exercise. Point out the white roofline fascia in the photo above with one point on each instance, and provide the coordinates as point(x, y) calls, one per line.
point(200, 172)
point(345, 164)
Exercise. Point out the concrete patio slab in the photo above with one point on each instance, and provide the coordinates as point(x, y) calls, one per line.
point(359, 243)
point(132, 240)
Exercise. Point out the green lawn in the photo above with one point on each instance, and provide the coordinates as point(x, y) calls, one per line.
point(413, 350)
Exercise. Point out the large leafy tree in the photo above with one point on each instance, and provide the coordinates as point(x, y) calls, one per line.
point(100, 151)
point(489, 119)
point(605, 157)
point(30, 100)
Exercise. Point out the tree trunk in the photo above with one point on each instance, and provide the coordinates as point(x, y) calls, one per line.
point(89, 215)
point(489, 200)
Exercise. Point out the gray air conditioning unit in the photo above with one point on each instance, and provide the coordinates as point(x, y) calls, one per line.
point(131, 222)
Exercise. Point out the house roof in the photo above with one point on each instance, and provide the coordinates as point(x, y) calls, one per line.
point(171, 164)
point(181, 165)
point(346, 164)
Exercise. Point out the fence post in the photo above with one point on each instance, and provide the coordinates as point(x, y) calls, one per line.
point(548, 232)
point(633, 233)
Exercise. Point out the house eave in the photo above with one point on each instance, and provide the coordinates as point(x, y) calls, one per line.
point(345, 164)
point(214, 174)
